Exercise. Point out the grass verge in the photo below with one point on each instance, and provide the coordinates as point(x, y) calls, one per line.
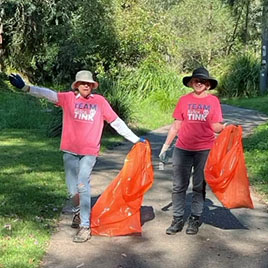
point(257, 103)
point(32, 193)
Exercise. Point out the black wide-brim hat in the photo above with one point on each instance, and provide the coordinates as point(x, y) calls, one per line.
point(203, 74)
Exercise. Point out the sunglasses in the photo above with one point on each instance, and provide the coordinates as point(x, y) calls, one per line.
point(200, 81)
point(85, 83)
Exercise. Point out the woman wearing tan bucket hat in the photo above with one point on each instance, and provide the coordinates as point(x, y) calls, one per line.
point(84, 114)
point(197, 117)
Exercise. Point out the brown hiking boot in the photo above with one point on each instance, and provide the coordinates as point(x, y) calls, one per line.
point(82, 235)
point(76, 221)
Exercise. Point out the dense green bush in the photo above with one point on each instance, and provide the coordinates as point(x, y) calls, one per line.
point(240, 76)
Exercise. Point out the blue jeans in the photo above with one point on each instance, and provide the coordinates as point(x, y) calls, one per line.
point(77, 173)
point(184, 163)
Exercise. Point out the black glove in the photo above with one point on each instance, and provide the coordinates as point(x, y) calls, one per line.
point(16, 81)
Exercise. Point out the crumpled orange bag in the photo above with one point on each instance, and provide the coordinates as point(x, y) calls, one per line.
point(117, 211)
point(225, 170)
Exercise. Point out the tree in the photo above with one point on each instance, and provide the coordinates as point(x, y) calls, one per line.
point(1, 40)
point(202, 30)
point(264, 51)
point(30, 30)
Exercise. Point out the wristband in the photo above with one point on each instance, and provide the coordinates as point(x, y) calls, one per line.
point(26, 88)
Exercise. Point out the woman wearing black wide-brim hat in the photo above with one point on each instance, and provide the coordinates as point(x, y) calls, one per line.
point(197, 117)
point(202, 74)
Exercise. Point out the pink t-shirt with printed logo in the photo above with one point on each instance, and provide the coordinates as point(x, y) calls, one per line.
point(197, 116)
point(83, 121)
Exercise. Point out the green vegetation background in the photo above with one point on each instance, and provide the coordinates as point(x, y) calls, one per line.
point(32, 189)
point(138, 51)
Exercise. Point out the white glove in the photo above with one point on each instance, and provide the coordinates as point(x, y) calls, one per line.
point(163, 153)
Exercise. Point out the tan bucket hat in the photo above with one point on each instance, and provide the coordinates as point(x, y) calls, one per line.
point(84, 76)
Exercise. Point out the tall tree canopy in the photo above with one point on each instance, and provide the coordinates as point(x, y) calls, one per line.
point(50, 40)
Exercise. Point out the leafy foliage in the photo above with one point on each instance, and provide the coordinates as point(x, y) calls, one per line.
point(202, 36)
point(52, 40)
point(29, 27)
point(240, 77)
point(134, 47)
point(247, 15)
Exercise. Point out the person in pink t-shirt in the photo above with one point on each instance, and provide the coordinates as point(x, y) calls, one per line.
point(198, 117)
point(84, 114)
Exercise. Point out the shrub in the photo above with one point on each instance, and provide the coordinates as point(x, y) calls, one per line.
point(240, 77)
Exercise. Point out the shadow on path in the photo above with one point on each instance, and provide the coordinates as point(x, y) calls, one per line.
point(227, 238)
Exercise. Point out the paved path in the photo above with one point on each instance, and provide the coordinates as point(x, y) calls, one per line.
point(227, 238)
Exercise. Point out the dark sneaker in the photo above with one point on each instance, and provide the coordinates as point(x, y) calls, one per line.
point(76, 220)
point(175, 227)
point(193, 225)
point(82, 235)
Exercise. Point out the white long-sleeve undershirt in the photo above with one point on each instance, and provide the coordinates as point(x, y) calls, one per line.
point(122, 129)
point(118, 124)
point(42, 92)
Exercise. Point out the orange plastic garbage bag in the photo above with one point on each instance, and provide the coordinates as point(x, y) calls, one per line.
point(117, 211)
point(226, 172)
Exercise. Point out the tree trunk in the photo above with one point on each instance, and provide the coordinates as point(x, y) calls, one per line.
point(264, 52)
point(1, 41)
point(246, 25)
point(234, 35)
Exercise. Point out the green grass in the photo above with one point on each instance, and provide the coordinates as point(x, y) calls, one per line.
point(32, 194)
point(21, 111)
point(156, 110)
point(151, 117)
point(257, 103)
point(256, 154)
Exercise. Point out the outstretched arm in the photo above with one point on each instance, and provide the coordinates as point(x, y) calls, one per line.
point(122, 129)
point(42, 92)
point(35, 91)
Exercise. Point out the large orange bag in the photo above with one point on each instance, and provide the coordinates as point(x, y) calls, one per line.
point(117, 211)
point(225, 170)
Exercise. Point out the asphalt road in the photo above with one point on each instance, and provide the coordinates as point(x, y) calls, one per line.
point(227, 238)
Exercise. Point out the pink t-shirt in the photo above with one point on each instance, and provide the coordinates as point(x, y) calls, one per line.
point(83, 121)
point(197, 116)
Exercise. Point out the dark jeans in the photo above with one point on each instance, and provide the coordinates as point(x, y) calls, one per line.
point(184, 163)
